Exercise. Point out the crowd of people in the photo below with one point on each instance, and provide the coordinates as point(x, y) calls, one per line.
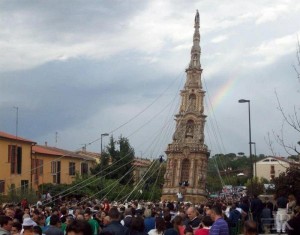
point(94, 217)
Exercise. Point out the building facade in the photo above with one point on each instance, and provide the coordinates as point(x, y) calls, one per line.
point(24, 164)
point(187, 155)
point(58, 166)
point(15, 162)
point(271, 167)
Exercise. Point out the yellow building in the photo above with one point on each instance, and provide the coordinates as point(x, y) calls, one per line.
point(58, 166)
point(15, 162)
point(141, 166)
point(27, 165)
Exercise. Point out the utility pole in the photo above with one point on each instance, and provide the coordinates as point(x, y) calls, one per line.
point(17, 120)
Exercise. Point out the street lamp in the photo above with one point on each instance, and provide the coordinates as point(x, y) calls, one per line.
point(250, 147)
point(104, 134)
point(255, 159)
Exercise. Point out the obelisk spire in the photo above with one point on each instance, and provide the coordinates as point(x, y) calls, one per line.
point(196, 50)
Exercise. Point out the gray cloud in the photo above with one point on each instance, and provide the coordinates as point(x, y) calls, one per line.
point(82, 67)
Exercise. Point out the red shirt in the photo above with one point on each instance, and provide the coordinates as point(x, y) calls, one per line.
point(202, 231)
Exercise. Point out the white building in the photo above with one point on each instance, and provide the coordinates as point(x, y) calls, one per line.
point(271, 167)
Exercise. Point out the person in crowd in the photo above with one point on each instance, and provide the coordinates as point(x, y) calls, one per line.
point(167, 218)
point(106, 206)
point(37, 230)
point(53, 211)
point(244, 205)
point(256, 209)
point(293, 225)
point(206, 224)
point(115, 227)
point(16, 228)
point(24, 203)
point(266, 219)
point(93, 223)
point(193, 219)
point(137, 226)
point(5, 224)
point(35, 215)
point(79, 227)
point(64, 213)
point(106, 221)
point(189, 230)
point(54, 228)
point(126, 221)
point(291, 205)
point(160, 227)
point(10, 212)
point(281, 215)
point(149, 220)
point(177, 228)
point(234, 216)
point(220, 226)
point(41, 221)
point(250, 228)
point(69, 220)
point(28, 225)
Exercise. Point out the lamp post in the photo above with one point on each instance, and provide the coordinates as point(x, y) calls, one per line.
point(104, 134)
point(255, 159)
point(250, 146)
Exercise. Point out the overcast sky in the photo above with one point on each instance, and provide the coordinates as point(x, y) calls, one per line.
point(82, 68)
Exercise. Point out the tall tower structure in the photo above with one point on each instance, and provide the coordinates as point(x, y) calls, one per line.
point(187, 155)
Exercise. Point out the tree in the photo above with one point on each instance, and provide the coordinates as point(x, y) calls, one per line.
point(116, 163)
point(255, 186)
point(288, 182)
point(290, 120)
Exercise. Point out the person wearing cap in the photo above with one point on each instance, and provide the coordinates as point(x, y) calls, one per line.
point(28, 224)
point(6, 224)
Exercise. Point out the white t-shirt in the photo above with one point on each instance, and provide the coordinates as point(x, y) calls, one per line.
point(154, 232)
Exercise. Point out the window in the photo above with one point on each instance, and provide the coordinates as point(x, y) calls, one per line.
point(272, 171)
point(38, 165)
point(15, 159)
point(24, 185)
point(2, 186)
point(37, 169)
point(84, 168)
point(71, 168)
point(55, 171)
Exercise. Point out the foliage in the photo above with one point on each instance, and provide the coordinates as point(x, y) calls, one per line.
point(288, 182)
point(290, 120)
point(116, 163)
point(255, 186)
point(53, 189)
point(229, 166)
point(15, 195)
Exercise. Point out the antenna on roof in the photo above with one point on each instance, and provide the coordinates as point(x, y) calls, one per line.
point(56, 138)
point(17, 120)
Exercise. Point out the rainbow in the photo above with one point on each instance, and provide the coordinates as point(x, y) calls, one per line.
point(222, 92)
